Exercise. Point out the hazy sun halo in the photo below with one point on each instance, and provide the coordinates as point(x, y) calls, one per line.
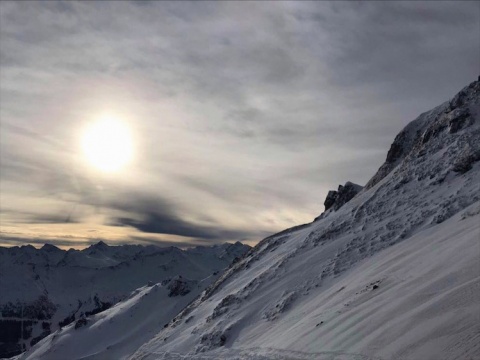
point(107, 144)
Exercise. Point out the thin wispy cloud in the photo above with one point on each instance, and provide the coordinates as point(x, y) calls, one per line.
point(243, 114)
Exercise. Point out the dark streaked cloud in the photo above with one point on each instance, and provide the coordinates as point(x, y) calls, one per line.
point(165, 243)
point(245, 114)
point(23, 217)
point(160, 224)
point(157, 215)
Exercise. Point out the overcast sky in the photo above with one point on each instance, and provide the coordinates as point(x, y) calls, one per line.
point(243, 114)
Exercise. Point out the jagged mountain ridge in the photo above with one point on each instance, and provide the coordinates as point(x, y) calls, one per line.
point(50, 287)
point(391, 273)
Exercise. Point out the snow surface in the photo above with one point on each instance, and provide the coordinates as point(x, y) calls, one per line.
point(426, 306)
point(392, 274)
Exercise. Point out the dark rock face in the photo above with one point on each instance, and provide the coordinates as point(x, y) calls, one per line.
point(466, 160)
point(223, 306)
point(396, 150)
point(81, 323)
point(400, 147)
point(178, 287)
point(459, 118)
point(330, 199)
point(211, 341)
point(336, 199)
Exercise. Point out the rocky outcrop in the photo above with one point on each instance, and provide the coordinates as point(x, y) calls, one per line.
point(179, 286)
point(336, 199)
point(415, 139)
point(466, 160)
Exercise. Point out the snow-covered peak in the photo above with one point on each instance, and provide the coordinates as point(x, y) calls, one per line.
point(99, 245)
point(50, 248)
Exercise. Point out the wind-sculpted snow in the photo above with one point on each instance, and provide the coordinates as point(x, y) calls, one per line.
point(392, 273)
point(263, 353)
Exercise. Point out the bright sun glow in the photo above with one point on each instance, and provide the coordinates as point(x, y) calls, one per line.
point(107, 144)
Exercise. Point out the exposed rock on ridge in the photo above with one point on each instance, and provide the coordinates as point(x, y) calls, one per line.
point(336, 199)
point(449, 117)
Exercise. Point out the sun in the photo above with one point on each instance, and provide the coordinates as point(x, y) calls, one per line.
point(107, 144)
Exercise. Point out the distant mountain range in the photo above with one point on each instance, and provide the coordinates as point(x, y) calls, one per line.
point(45, 289)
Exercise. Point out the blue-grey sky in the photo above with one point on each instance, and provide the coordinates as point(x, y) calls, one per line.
point(242, 114)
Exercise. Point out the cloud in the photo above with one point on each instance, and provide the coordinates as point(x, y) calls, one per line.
point(23, 217)
point(245, 115)
point(160, 224)
point(6, 240)
point(165, 243)
point(157, 215)
point(38, 241)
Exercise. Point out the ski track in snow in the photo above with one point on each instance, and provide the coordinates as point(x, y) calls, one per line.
point(259, 354)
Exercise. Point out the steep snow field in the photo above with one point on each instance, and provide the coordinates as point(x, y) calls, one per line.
point(392, 273)
point(416, 300)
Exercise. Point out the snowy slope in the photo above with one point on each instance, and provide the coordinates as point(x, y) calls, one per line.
point(402, 233)
point(393, 273)
point(121, 329)
point(416, 300)
point(49, 287)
